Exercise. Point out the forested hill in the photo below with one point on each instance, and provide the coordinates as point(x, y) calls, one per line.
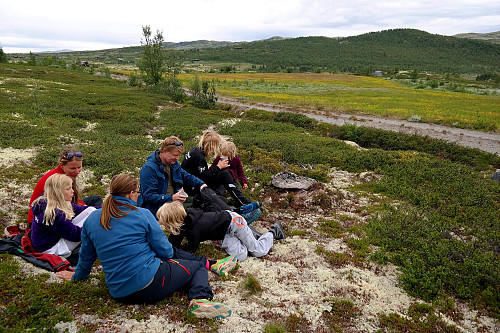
point(401, 49)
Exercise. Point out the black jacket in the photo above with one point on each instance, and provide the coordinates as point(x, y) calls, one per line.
point(195, 163)
point(200, 226)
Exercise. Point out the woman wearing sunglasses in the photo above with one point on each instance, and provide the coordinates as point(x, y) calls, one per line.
point(70, 164)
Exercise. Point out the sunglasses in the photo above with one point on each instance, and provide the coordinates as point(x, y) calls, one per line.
point(175, 144)
point(70, 154)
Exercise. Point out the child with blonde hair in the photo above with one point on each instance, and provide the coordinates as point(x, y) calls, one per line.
point(57, 221)
point(228, 151)
point(197, 226)
point(217, 178)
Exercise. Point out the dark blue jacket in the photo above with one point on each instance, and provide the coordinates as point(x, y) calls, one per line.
point(154, 182)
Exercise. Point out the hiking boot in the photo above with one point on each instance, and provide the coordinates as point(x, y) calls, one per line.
point(255, 233)
point(224, 266)
point(250, 207)
point(277, 231)
point(251, 216)
point(203, 308)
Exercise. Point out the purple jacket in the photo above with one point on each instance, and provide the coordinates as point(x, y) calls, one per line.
point(235, 169)
point(43, 236)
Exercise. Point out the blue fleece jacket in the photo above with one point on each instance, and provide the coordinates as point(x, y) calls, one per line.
point(154, 182)
point(129, 252)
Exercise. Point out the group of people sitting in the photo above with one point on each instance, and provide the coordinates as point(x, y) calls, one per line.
point(142, 264)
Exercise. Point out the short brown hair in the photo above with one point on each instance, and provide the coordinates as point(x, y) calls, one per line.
point(169, 144)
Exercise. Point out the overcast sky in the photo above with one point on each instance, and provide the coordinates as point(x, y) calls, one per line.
point(34, 25)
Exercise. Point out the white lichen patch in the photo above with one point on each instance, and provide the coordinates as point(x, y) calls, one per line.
point(229, 122)
point(32, 270)
point(342, 179)
point(11, 156)
point(84, 179)
point(89, 127)
point(117, 323)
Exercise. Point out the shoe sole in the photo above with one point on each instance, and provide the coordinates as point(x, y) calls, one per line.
point(211, 310)
point(227, 267)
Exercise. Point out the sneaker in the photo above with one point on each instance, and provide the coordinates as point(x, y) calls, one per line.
point(203, 308)
point(224, 266)
point(250, 207)
point(252, 216)
point(277, 231)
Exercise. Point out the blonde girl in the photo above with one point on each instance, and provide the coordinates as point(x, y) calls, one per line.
point(55, 229)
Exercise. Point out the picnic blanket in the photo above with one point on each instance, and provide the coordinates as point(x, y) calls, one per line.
point(19, 243)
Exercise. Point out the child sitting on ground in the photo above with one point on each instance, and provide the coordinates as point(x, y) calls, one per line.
point(197, 226)
point(228, 151)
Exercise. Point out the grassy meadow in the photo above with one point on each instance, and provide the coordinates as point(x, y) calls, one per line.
point(433, 210)
point(361, 94)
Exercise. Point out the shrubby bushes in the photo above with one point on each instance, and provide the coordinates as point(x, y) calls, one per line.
point(444, 235)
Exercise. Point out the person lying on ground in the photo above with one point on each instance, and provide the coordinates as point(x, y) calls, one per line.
point(197, 226)
point(140, 264)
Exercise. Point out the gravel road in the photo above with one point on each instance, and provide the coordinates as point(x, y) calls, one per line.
point(489, 142)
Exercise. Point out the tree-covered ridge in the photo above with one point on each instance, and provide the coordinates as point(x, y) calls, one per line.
point(398, 49)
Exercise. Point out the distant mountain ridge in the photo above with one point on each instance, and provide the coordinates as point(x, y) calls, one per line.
point(493, 37)
point(388, 51)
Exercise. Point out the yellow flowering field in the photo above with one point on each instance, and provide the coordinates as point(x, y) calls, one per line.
point(359, 94)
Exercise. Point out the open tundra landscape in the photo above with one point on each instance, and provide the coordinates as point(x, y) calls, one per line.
point(396, 230)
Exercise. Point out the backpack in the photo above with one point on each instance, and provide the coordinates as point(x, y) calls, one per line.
point(209, 201)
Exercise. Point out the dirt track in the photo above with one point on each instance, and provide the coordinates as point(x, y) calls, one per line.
point(489, 142)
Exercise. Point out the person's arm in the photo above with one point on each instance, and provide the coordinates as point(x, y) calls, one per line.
point(214, 163)
point(64, 228)
point(156, 237)
point(239, 171)
point(87, 257)
point(191, 180)
point(149, 187)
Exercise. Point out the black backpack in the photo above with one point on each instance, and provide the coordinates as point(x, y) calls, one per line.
point(209, 201)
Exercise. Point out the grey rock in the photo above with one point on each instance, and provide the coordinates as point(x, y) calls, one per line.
point(290, 181)
point(496, 176)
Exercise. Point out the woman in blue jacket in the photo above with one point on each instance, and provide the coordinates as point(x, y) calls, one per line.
point(140, 264)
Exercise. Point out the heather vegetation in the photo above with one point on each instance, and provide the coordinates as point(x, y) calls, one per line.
point(434, 211)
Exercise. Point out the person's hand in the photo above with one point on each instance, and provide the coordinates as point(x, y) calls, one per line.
point(223, 163)
point(245, 186)
point(65, 275)
point(179, 196)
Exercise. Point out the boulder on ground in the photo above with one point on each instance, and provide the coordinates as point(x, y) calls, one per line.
point(496, 176)
point(290, 181)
